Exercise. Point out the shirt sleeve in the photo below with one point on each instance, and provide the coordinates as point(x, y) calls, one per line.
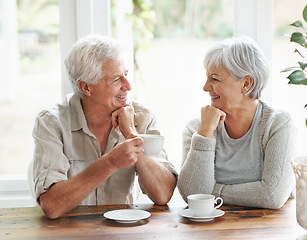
point(50, 165)
point(197, 169)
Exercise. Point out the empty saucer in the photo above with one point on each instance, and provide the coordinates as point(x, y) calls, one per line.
point(127, 215)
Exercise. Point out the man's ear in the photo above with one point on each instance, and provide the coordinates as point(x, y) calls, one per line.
point(84, 88)
point(247, 83)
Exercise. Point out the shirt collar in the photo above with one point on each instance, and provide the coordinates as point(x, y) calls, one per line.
point(78, 120)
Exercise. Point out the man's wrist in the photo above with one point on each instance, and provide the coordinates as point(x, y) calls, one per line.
point(132, 134)
point(108, 163)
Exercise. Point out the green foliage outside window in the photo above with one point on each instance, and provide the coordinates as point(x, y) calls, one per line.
point(299, 73)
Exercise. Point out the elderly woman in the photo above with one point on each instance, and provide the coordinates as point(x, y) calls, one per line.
point(241, 147)
point(88, 149)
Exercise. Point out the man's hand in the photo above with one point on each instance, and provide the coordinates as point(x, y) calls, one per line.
point(124, 118)
point(126, 153)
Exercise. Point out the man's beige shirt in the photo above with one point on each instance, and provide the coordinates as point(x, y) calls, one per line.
point(64, 146)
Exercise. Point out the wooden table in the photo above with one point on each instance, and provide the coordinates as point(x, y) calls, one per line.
point(87, 222)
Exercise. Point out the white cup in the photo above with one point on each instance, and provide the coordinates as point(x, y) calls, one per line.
point(153, 144)
point(202, 205)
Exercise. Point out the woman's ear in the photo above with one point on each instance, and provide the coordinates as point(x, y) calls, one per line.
point(247, 83)
point(84, 88)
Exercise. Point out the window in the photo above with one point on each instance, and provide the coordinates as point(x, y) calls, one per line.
point(29, 36)
point(171, 74)
point(287, 96)
point(31, 81)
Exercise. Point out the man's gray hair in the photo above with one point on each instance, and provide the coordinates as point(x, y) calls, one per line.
point(86, 58)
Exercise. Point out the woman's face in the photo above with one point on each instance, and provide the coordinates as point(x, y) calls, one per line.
point(225, 91)
point(111, 92)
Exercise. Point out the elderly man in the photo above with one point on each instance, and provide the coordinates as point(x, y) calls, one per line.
point(88, 149)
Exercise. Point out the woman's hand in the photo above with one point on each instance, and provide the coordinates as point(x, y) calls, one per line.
point(211, 117)
point(124, 118)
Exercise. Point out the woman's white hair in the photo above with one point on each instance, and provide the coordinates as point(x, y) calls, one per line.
point(86, 58)
point(241, 57)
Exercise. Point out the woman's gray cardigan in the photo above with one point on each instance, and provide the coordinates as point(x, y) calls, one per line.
point(277, 140)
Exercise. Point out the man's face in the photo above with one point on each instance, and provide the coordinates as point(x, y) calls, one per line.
point(112, 90)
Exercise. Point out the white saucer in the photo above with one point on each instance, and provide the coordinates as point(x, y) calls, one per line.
point(127, 215)
point(188, 214)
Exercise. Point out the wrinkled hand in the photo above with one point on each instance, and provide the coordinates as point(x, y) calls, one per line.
point(125, 154)
point(124, 118)
point(211, 117)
